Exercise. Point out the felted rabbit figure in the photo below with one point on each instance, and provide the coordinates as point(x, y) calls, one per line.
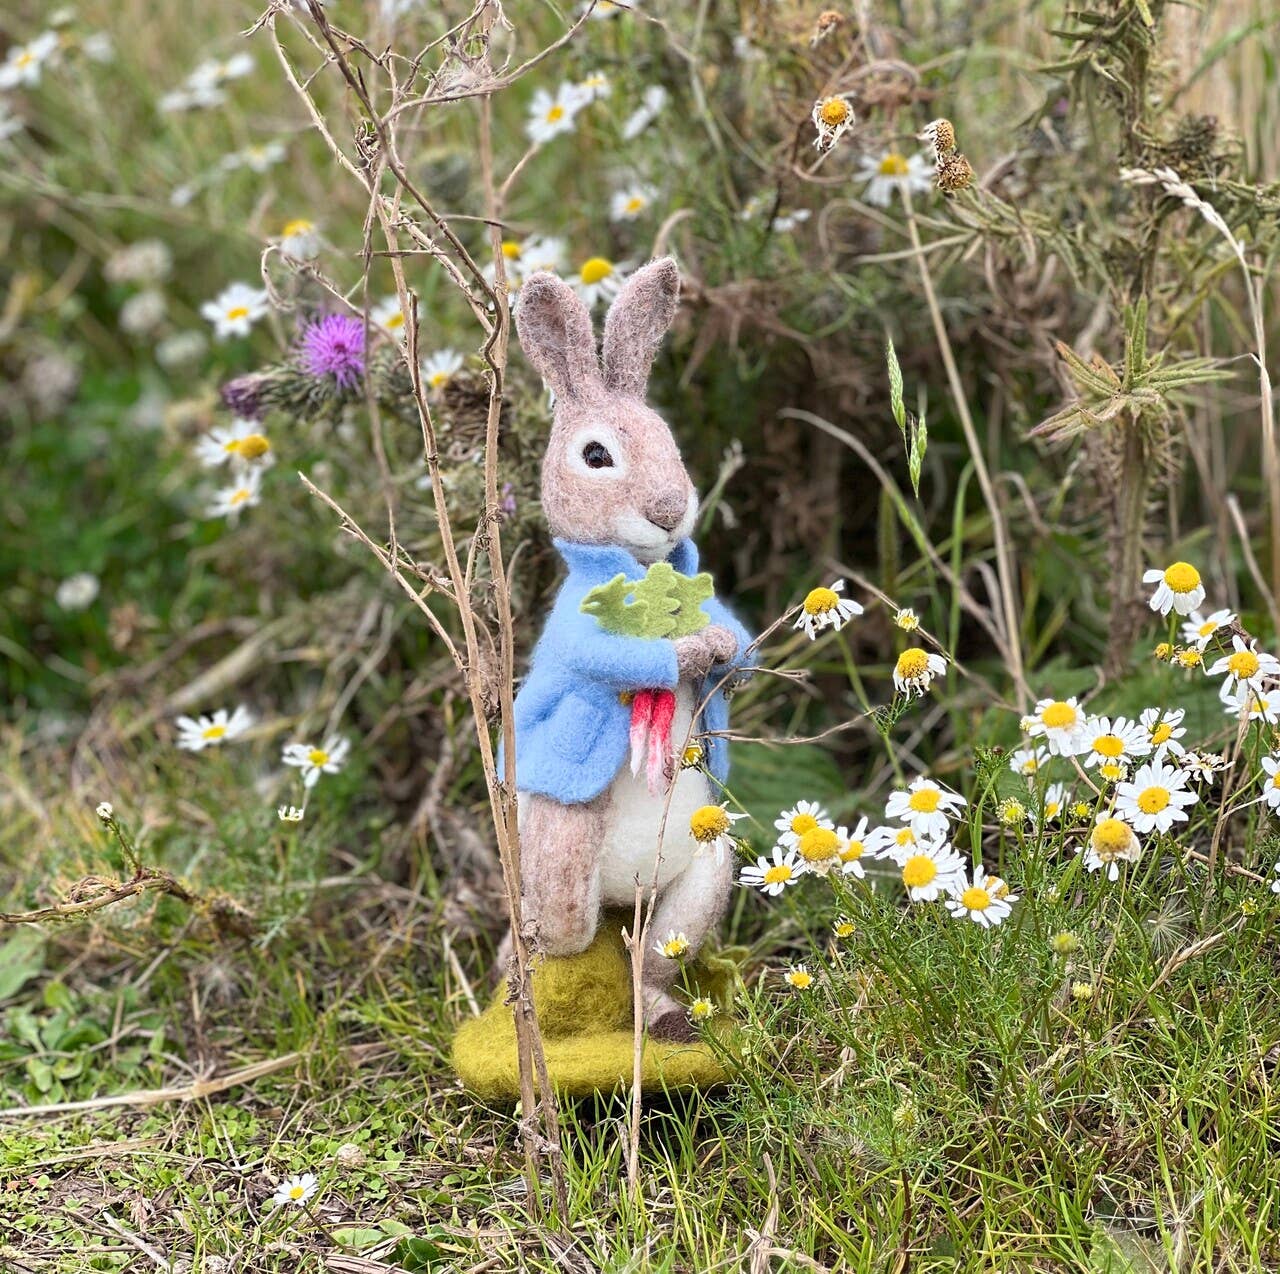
point(617, 500)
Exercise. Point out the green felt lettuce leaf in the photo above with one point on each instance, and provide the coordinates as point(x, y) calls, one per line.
point(662, 604)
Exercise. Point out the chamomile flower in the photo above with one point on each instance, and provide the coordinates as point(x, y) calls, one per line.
point(915, 670)
point(1113, 771)
point(802, 817)
point(907, 620)
point(300, 240)
point(388, 315)
point(438, 369)
point(819, 850)
point(290, 814)
point(1011, 812)
point(1201, 766)
point(196, 734)
point(892, 173)
point(26, 61)
point(244, 493)
point(1028, 761)
point(631, 202)
point(78, 592)
point(235, 310)
point(1061, 724)
point(985, 900)
point(1111, 843)
point(1113, 742)
point(1257, 705)
point(932, 870)
point(832, 117)
point(925, 806)
point(296, 1190)
point(772, 877)
point(1055, 800)
point(676, 946)
point(823, 607)
point(1275, 884)
point(1164, 728)
point(609, 9)
point(1271, 787)
point(843, 927)
point(543, 252)
point(257, 158)
point(896, 843)
point(711, 826)
point(853, 848)
point(1200, 629)
point(215, 72)
point(1189, 657)
point(551, 114)
point(239, 443)
point(599, 279)
point(1178, 588)
point(314, 761)
point(1155, 798)
point(1244, 667)
point(702, 1009)
point(594, 87)
point(798, 978)
point(652, 103)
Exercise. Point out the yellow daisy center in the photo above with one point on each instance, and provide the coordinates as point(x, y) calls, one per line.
point(1111, 745)
point(925, 801)
point(997, 888)
point(893, 165)
point(395, 320)
point(1151, 800)
point(318, 756)
point(24, 59)
point(801, 979)
point(594, 269)
point(511, 249)
point(844, 929)
point(1182, 577)
point(1161, 733)
point(905, 837)
point(555, 113)
point(299, 225)
point(675, 947)
point(976, 898)
point(296, 1192)
point(240, 495)
point(250, 447)
point(803, 823)
point(820, 601)
point(1058, 715)
point(1051, 809)
point(708, 823)
point(918, 871)
point(1112, 771)
point(436, 379)
point(213, 732)
point(1112, 836)
point(238, 312)
point(819, 844)
point(913, 663)
point(700, 1010)
point(692, 754)
point(1275, 779)
point(1243, 664)
point(834, 111)
point(1190, 658)
point(1080, 809)
point(1207, 629)
point(854, 849)
point(778, 874)
point(634, 204)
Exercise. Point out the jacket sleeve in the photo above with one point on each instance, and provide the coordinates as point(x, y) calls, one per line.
point(577, 643)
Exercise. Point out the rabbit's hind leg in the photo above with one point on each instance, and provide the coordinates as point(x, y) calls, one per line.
point(560, 873)
point(692, 904)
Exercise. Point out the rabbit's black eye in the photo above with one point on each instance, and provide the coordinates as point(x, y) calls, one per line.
point(597, 456)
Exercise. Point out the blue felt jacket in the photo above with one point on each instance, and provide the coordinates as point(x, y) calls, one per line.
point(573, 715)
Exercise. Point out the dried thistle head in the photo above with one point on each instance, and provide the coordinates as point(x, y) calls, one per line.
point(829, 20)
point(954, 173)
point(941, 135)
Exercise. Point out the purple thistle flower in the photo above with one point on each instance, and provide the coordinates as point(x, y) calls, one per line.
point(243, 397)
point(334, 346)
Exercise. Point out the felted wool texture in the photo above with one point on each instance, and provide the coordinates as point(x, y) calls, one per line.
point(636, 324)
point(584, 1009)
point(662, 604)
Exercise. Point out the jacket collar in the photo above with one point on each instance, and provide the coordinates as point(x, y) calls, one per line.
point(604, 561)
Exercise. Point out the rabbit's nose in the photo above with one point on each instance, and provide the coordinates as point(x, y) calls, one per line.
point(667, 510)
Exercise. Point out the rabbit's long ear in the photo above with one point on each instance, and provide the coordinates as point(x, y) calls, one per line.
point(556, 334)
point(637, 321)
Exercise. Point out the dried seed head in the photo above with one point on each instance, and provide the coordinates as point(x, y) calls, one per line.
point(941, 135)
point(954, 173)
point(828, 21)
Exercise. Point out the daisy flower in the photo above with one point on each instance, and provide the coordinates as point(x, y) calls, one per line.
point(78, 591)
point(631, 202)
point(1061, 724)
point(786, 222)
point(257, 159)
point(802, 817)
point(1275, 884)
point(609, 9)
point(915, 670)
point(832, 117)
point(599, 279)
point(1177, 588)
point(819, 849)
point(825, 608)
point(438, 369)
point(907, 620)
point(239, 443)
point(242, 494)
point(1199, 629)
point(290, 814)
point(798, 978)
point(1111, 842)
point(215, 72)
point(986, 901)
point(194, 735)
point(1271, 791)
point(844, 927)
point(297, 1190)
point(932, 870)
point(1258, 706)
point(1028, 761)
point(894, 172)
point(388, 315)
point(701, 1009)
point(676, 947)
point(896, 843)
point(300, 240)
point(772, 877)
point(315, 761)
point(1202, 766)
point(925, 807)
point(543, 252)
point(235, 309)
point(593, 88)
point(1155, 798)
point(1055, 800)
point(26, 61)
point(853, 849)
point(652, 102)
point(551, 114)
point(712, 827)
point(1244, 667)
point(1113, 742)
point(1011, 812)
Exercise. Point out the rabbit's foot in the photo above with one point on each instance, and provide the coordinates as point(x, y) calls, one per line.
point(665, 1019)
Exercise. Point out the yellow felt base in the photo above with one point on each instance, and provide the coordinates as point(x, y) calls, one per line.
point(584, 1010)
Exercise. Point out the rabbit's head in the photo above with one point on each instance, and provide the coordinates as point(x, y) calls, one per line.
point(612, 472)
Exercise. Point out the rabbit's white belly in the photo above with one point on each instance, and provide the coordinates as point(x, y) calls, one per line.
point(633, 820)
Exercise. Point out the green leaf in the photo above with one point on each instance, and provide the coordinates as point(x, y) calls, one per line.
point(354, 1237)
point(662, 604)
point(21, 959)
